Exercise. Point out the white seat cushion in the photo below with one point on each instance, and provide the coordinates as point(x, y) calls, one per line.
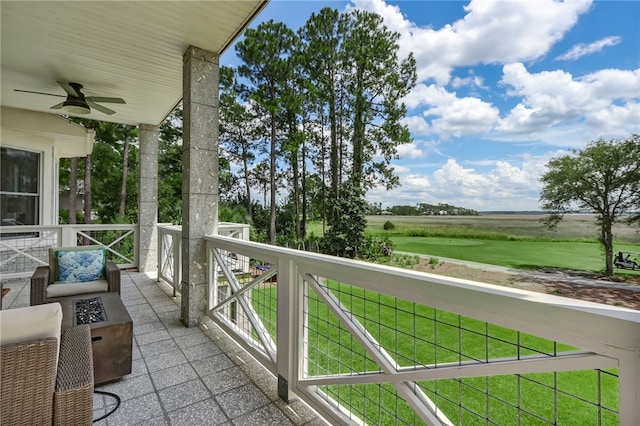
point(31, 323)
point(71, 289)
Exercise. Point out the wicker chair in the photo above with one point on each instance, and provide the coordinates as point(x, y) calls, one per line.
point(44, 383)
point(43, 289)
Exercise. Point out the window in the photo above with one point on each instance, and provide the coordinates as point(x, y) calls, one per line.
point(19, 187)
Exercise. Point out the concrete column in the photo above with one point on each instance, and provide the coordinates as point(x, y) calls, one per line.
point(148, 199)
point(199, 176)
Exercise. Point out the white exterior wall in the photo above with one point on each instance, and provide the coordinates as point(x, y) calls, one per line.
point(53, 137)
point(48, 173)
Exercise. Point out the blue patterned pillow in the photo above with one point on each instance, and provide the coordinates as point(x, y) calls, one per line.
point(80, 266)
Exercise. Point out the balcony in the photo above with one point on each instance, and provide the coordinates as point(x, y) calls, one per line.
point(183, 376)
point(365, 344)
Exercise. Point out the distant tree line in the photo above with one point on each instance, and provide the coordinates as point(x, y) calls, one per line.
point(422, 209)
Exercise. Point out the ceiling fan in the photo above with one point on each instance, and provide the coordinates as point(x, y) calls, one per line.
point(77, 102)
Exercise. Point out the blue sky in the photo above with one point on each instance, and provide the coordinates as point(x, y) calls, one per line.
point(503, 87)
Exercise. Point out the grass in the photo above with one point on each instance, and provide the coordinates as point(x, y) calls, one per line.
point(420, 335)
point(417, 335)
point(516, 241)
point(515, 254)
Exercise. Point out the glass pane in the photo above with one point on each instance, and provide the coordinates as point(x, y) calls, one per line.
point(19, 171)
point(19, 210)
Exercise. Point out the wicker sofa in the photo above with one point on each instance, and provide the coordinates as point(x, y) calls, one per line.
point(47, 373)
point(45, 288)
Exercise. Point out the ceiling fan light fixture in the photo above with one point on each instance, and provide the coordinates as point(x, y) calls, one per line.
point(76, 106)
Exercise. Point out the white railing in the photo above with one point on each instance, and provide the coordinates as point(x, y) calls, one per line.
point(170, 249)
point(23, 248)
point(370, 344)
point(170, 255)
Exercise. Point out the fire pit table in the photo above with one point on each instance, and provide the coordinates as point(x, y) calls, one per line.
point(111, 331)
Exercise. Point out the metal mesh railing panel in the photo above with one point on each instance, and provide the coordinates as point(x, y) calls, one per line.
point(401, 335)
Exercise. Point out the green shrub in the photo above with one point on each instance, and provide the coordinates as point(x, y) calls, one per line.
point(375, 248)
point(388, 226)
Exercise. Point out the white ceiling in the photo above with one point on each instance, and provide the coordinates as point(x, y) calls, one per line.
point(126, 49)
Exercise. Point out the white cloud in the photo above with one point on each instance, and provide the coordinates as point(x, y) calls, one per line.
point(401, 169)
point(409, 150)
point(508, 184)
point(417, 125)
point(471, 81)
point(414, 189)
point(582, 49)
point(492, 31)
point(592, 102)
point(458, 116)
point(450, 115)
point(420, 95)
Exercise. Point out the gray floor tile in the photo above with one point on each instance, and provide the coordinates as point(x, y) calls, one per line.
point(184, 394)
point(154, 336)
point(201, 351)
point(129, 387)
point(166, 360)
point(225, 380)
point(138, 367)
point(265, 416)
point(212, 364)
point(137, 411)
point(147, 327)
point(203, 413)
point(177, 329)
point(167, 306)
point(173, 376)
point(156, 348)
point(191, 340)
point(143, 316)
point(297, 411)
point(242, 400)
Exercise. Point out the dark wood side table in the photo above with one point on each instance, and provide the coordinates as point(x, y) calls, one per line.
point(111, 337)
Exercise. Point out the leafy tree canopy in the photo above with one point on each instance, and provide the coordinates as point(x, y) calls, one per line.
point(603, 178)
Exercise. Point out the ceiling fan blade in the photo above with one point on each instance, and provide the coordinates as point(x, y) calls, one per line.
point(39, 93)
point(105, 100)
point(99, 107)
point(57, 106)
point(69, 89)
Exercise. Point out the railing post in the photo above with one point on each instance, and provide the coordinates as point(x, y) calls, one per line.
point(160, 245)
point(69, 236)
point(629, 385)
point(177, 261)
point(289, 315)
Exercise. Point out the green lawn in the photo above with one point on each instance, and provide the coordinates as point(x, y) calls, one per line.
point(419, 335)
point(516, 254)
point(523, 243)
point(576, 255)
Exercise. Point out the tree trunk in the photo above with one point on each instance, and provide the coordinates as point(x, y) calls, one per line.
point(334, 163)
point(125, 172)
point(296, 192)
point(606, 239)
point(358, 131)
point(247, 183)
point(304, 189)
point(73, 191)
point(272, 178)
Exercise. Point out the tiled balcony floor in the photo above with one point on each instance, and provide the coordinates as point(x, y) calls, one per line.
point(183, 376)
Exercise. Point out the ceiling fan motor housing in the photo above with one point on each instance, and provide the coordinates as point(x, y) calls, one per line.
point(76, 104)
